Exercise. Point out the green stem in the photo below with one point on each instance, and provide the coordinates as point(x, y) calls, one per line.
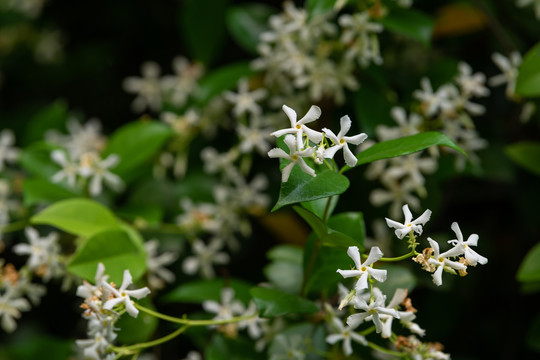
point(383, 350)
point(189, 322)
point(367, 331)
point(131, 349)
point(14, 226)
point(327, 209)
point(399, 258)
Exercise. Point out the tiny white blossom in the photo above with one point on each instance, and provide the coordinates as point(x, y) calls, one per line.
point(245, 101)
point(441, 260)
point(471, 84)
point(253, 324)
point(11, 306)
point(8, 153)
point(396, 192)
point(227, 309)
point(510, 69)
point(299, 128)
point(372, 311)
point(342, 142)
point(158, 275)
point(345, 334)
point(98, 170)
point(295, 157)
point(433, 102)
point(44, 253)
point(69, 170)
point(148, 88)
point(409, 224)
point(364, 270)
point(184, 82)
point(122, 295)
point(204, 256)
point(465, 246)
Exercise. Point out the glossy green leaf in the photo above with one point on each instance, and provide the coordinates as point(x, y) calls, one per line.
point(397, 277)
point(404, 146)
point(53, 116)
point(528, 79)
point(116, 248)
point(246, 22)
point(285, 269)
point(410, 23)
point(221, 79)
point(529, 270)
point(78, 216)
point(201, 290)
point(350, 224)
point(302, 187)
point(136, 143)
point(272, 302)
point(318, 206)
point(36, 159)
point(139, 329)
point(316, 224)
point(40, 191)
point(319, 7)
point(372, 108)
point(202, 27)
point(526, 154)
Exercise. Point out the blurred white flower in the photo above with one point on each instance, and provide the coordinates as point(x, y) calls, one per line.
point(98, 171)
point(510, 69)
point(8, 153)
point(203, 258)
point(183, 83)
point(245, 101)
point(345, 334)
point(158, 275)
point(11, 306)
point(148, 88)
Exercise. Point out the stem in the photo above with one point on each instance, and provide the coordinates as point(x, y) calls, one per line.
point(14, 226)
point(367, 331)
point(131, 349)
point(327, 209)
point(383, 350)
point(399, 258)
point(189, 322)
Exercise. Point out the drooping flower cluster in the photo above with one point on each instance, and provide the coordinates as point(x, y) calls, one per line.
point(102, 303)
point(298, 138)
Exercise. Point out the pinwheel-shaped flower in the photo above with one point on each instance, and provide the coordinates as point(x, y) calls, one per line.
point(372, 311)
point(342, 142)
point(441, 260)
point(364, 270)
point(409, 225)
point(123, 295)
point(295, 157)
point(345, 334)
point(465, 246)
point(299, 127)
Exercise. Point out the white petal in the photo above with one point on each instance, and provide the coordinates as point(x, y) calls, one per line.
point(349, 273)
point(313, 135)
point(313, 114)
point(356, 139)
point(374, 255)
point(435, 246)
point(291, 114)
point(407, 213)
point(127, 280)
point(291, 143)
point(330, 134)
point(305, 168)
point(457, 230)
point(349, 157)
point(377, 274)
point(424, 218)
point(345, 123)
point(286, 172)
point(331, 151)
point(278, 153)
point(354, 254)
point(334, 338)
point(437, 276)
point(281, 132)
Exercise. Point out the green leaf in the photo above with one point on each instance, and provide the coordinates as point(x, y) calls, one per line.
point(285, 269)
point(533, 334)
point(150, 215)
point(308, 338)
point(302, 187)
point(202, 27)
point(79, 216)
point(224, 348)
point(529, 270)
point(526, 154)
point(53, 116)
point(316, 224)
point(117, 249)
point(36, 159)
point(39, 191)
point(410, 23)
point(397, 277)
point(318, 206)
point(350, 224)
point(246, 22)
point(404, 146)
point(372, 108)
point(201, 290)
point(136, 143)
point(139, 329)
point(272, 302)
point(319, 7)
point(528, 79)
point(32, 345)
point(221, 79)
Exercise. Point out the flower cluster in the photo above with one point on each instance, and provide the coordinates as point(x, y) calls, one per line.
point(103, 304)
point(300, 147)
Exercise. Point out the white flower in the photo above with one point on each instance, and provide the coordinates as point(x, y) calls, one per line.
point(44, 253)
point(92, 166)
point(193, 355)
point(405, 317)
point(342, 142)
point(148, 88)
point(10, 309)
point(184, 82)
point(69, 169)
point(360, 36)
point(87, 290)
point(292, 347)
point(299, 127)
point(95, 348)
point(81, 139)
point(345, 334)
point(203, 257)
point(397, 192)
point(227, 309)
point(8, 153)
point(157, 273)
point(465, 246)
point(471, 84)
point(245, 101)
point(253, 137)
point(510, 68)
point(441, 260)
point(295, 157)
point(122, 295)
point(364, 270)
point(372, 311)
point(405, 127)
point(432, 102)
point(253, 323)
point(409, 225)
